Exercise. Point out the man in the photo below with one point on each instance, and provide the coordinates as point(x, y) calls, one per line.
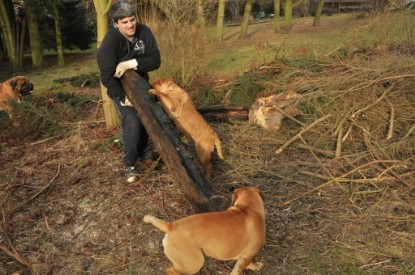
point(129, 45)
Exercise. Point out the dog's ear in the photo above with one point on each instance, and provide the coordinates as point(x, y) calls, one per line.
point(261, 193)
point(235, 195)
point(13, 83)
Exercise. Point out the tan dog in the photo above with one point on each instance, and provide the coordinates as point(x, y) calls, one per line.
point(235, 234)
point(14, 89)
point(181, 110)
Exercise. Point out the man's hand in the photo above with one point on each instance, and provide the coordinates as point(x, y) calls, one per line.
point(124, 66)
point(126, 102)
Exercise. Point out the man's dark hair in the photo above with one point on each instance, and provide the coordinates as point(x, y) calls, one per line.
point(120, 10)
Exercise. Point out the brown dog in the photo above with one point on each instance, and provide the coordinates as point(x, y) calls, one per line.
point(14, 89)
point(181, 110)
point(235, 234)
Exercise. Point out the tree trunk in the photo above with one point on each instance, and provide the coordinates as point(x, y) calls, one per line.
point(319, 9)
point(6, 28)
point(277, 16)
point(112, 118)
point(21, 40)
point(221, 17)
point(245, 19)
point(34, 36)
point(59, 43)
point(200, 8)
point(288, 14)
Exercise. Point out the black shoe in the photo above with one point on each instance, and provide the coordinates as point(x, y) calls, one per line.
point(131, 173)
point(147, 156)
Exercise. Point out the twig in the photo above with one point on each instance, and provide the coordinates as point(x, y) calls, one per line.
point(41, 141)
point(324, 167)
point(339, 143)
point(289, 116)
point(391, 120)
point(342, 177)
point(279, 150)
point(16, 255)
point(373, 103)
point(409, 132)
point(12, 252)
point(37, 194)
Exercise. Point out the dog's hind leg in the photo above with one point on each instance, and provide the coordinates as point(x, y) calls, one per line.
point(186, 259)
point(241, 265)
point(204, 153)
point(218, 146)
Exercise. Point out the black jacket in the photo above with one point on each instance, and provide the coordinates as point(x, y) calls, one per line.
point(116, 48)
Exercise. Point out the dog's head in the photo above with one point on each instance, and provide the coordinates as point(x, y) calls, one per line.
point(163, 85)
point(247, 192)
point(21, 85)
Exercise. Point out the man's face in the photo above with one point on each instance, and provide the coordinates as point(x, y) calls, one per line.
point(127, 26)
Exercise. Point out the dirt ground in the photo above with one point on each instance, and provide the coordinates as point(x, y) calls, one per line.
point(66, 208)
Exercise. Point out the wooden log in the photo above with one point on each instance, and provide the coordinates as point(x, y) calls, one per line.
point(221, 112)
point(167, 141)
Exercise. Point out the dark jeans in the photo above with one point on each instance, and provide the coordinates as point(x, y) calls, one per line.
point(134, 135)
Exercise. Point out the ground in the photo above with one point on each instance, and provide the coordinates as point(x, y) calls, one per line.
point(68, 210)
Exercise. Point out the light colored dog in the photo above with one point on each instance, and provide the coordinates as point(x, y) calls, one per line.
point(181, 110)
point(13, 89)
point(235, 234)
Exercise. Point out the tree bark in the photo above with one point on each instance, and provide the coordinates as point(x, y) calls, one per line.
point(200, 9)
point(288, 14)
point(6, 28)
point(277, 16)
point(245, 19)
point(34, 36)
point(166, 139)
point(112, 119)
point(319, 9)
point(58, 33)
point(220, 20)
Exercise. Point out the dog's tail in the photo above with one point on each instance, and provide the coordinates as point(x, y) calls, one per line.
point(218, 146)
point(160, 224)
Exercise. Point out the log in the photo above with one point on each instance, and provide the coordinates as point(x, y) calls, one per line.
point(166, 139)
point(222, 112)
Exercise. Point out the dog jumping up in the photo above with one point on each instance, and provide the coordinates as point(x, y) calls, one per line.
point(181, 110)
point(237, 233)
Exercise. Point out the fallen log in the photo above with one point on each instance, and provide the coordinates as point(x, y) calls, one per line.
point(167, 142)
point(222, 112)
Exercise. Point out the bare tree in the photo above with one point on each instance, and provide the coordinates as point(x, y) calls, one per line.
point(221, 17)
point(200, 9)
point(8, 36)
point(34, 35)
point(245, 18)
point(102, 7)
point(276, 16)
point(58, 32)
point(319, 9)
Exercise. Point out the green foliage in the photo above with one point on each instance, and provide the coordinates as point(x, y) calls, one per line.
point(244, 89)
point(91, 80)
point(313, 107)
point(43, 115)
point(77, 103)
point(77, 31)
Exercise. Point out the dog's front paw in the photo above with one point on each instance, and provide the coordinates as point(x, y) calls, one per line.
point(171, 271)
point(148, 218)
point(255, 266)
point(152, 91)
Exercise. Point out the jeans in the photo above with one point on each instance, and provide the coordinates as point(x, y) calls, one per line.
point(134, 135)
